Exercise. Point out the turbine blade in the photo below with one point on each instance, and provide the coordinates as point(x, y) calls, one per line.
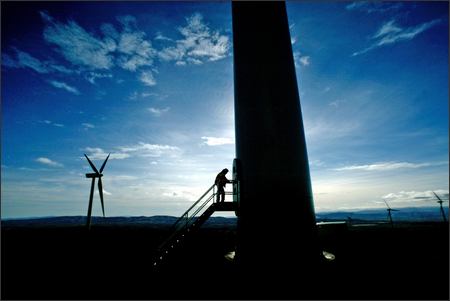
point(437, 196)
point(387, 204)
point(92, 164)
point(100, 191)
point(104, 163)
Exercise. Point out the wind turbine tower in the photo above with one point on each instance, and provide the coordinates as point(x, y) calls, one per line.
point(96, 174)
point(442, 208)
point(389, 209)
point(277, 234)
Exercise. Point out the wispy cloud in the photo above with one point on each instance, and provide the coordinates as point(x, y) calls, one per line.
point(158, 112)
point(416, 196)
point(52, 123)
point(390, 33)
point(147, 78)
point(322, 128)
point(88, 125)
point(92, 76)
point(136, 95)
point(317, 163)
point(48, 162)
point(336, 103)
point(373, 7)
point(199, 44)
point(383, 166)
point(23, 59)
point(161, 37)
point(96, 153)
point(304, 60)
point(214, 141)
point(64, 86)
point(127, 48)
point(300, 59)
point(26, 60)
point(136, 51)
point(150, 150)
point(387, 28)
point(123, 46)
point(77, 45)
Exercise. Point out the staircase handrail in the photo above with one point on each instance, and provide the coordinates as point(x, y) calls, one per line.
point(186, 217)
point(186, 213)
point(176, 230)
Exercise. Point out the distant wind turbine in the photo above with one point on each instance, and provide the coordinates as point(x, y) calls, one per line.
point(97, 174)
point(389, 209)
point(442, 209)
point(349, 220)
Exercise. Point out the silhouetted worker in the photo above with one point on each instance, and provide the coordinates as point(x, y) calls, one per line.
point(221, 181)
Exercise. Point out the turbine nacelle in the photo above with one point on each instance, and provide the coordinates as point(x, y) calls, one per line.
point(94, 175)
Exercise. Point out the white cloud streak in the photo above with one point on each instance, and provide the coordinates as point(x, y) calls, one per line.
point(88, 125)
point(161, 37)
point(214, 141)
point(95, 153)
point(52, 123)
point(150, 150)
point(383, 166)
point(373, 7)
point(25, 60)
point(64, 86)
point(158, 112)
point(48, 162)
point(390, 33)
point(416, 196)
point(92, 76)
point(335, 103)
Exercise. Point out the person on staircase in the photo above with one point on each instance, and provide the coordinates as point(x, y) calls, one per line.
point(221, 181)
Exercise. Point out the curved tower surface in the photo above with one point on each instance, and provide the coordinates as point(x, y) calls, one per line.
point(276, 219)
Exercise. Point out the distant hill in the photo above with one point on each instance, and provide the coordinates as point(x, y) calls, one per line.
point(413, 214)
point(408, 214)
point(73, 221)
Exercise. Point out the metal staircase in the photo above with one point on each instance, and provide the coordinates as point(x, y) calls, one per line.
point(192, 220)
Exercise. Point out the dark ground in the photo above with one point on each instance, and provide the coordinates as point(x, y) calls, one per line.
point(408, 262)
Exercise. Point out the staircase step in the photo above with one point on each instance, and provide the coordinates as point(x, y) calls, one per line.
point(182, 234)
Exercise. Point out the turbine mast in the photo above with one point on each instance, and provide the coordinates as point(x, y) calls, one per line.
point(442, 208)
point(99, 175)
point(276, 212)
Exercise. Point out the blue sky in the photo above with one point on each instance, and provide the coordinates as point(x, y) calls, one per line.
point(152, 83)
